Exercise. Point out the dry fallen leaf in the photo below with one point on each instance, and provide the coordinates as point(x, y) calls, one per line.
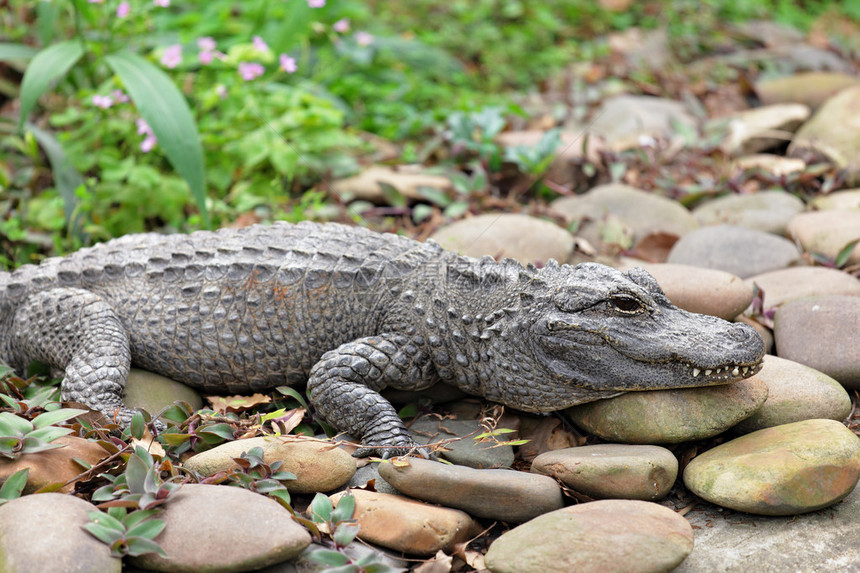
point(236, 404)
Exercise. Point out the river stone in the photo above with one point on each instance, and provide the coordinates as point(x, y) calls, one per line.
point(55, 465)
point(838, 200)
point(717, 247)
point(795, 393)
point(44, 532)
point(822, 332)
point(773, 164)
point(706, 291)
point(464, 451)
point(728, 542)
point(614, 471)
point(811, 88)
point(789, 284)
point(406, 525)
point(506, 495)
point(607, 535)
point(784, 470)
point(153, 392)
point(371, 472)
point(768, 211)
point(368, 185)
point(831, 134)
point(644, 213)
point(221, 528)
point(670, 416)
point(827, 233)
point(762, 128)
point(521, 237)
point(622, 120)
point(318, 466)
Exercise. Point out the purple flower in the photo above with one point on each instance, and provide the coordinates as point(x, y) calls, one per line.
point(316, 3)
point(149, 139)
point(96, 1)
point(205, 58)
point(101, 101)
point(119, 96)
point(172, 56)
point(161, 3)
point(288, 64)
point(260, 44)
point(363, 38)
point(341, 25)
point(206, 44)
point(123, 9)
point(250, 70)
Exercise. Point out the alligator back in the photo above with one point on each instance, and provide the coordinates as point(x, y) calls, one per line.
point(236, 309)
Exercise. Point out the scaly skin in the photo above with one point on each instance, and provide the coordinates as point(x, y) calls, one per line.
point(351, 312)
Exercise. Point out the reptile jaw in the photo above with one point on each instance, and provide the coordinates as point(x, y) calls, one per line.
point(728, 373)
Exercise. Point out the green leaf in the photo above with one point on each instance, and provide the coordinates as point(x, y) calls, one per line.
point(14, 484)
point(164, 108)
point(12, 425)
point(328, 557)
point(136, 517)
point(345, 533)
point(148, 529)
point(293, 393)
point(16, 52)
point(106, 535)
point(106, 520)
point(321, 508)
point(845, 253)
point(139, 546)
point(48, 434)
point(344, 510)
point(46, 68)
point(135, 473)
point(221, 430)
point(56, 417)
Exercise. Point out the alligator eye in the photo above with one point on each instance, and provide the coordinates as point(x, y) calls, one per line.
point(626, 304)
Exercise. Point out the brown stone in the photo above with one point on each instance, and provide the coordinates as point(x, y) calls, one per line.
point(56, 465)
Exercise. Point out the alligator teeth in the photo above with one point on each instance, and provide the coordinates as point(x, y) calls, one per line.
point(695, 372)
point(736, 372)
point(718, 370)
point(745, 369)
point(708, 372)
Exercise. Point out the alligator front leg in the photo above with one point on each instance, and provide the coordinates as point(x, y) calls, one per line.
point(344, 388)
point(74, 331)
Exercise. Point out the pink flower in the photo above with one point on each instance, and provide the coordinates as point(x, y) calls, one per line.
point(101, 101)
point(260, 44)
point(363, 38)
point(341, 26)
point(149, 139)
point(205, 58)
point(161, 3)
point(316, 3)
point(123, 9)
point(96, 1)
point(206, 44)
point(250, 70)
point(119, 96)
point(288, 64)
point(172, 56)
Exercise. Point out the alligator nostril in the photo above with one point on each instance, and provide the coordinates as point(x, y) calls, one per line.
point(743, 332)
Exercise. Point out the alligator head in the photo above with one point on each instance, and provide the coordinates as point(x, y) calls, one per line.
point(599, 332)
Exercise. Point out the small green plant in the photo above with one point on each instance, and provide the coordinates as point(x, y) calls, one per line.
point(127, 533)
point(140, 485)
point(256, 475)
point(343, 529)
point(19, 435)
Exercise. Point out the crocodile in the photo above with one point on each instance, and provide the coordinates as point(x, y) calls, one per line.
point(349, 312)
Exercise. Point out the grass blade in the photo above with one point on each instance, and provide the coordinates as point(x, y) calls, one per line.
point(46, 68)
point(164, 108)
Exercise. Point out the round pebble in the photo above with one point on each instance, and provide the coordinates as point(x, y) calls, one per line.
point(521, 237)
point(838, 200)
point(318, 466)
point(717, 247)
point(670, 416)
point(784, 470)
point(827, 233)
point(754, 130)
point(464, 450)
point(56, 465)
point(822, 332)
point(406, 525)
point(607, 535)
point(505, 495)
point(795, 393)
point(768, 211)
point(644, 213)
point(798, 282)
point(615, 471)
